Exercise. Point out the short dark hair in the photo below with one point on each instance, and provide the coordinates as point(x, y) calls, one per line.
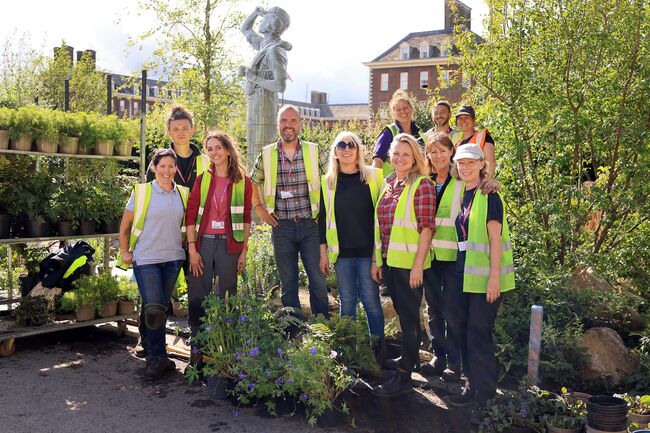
point(160, 154)
point(179, 112)
point(444, 103)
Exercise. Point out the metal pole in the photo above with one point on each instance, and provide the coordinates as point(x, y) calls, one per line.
point(109, 94)
point(66, 83)
point(143, 125)
point(535, 343)
point(107, 254)
point(10, 275)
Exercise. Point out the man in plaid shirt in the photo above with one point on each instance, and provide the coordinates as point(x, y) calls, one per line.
point(288, 200)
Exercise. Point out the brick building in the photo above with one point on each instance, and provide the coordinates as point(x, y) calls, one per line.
point(413, 64)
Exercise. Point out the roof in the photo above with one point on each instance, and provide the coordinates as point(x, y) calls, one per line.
point(359, 111)
point(412, 35)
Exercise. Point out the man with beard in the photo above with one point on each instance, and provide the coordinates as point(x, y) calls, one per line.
point(441, 114)
point(288, 172)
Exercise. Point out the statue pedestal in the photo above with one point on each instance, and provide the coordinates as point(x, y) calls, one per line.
point(261, 122)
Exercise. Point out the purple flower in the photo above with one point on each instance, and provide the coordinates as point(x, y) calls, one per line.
point(251, 386)
point(234, 413)
point(278, 381)
point(313, 351)
point(248, 341)
point(280, 364)
point(242, 318)
point(289, 382)
point(242, 376)
point(333, 354)
point(280, 352)
point(238, 356)
point(196, 351)
point(304, 397)
point(254, 351)
point(268, 373)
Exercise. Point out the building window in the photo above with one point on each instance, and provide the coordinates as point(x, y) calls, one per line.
point(424, 51)
point(444, 79)
point(404, 53)
point(444, 50)
point(384, 83)
point(383, 110)
point(404, 80)
point(136, 108)
point(122, 105)
point(424, 79)
point(156, 91)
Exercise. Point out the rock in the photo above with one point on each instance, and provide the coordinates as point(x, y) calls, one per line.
point(608, 356)
point(584, 277)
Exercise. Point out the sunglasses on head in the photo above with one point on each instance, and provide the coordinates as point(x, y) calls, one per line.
point(342, 145)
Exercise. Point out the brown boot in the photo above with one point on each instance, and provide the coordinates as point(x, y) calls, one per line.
point(157, 368)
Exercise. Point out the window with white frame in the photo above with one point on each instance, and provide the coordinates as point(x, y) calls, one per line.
point(122, 105)
point(424, 79)
point(445, 79)
point(424, 51)
point(404, 80)
point(136, 107)
point(383, 86)
point(404, 52)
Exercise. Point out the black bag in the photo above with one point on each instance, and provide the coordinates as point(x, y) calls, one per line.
point(74, 257)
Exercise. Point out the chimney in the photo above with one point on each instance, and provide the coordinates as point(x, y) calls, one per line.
point(69, 50)
point(318, 98)
point(463, 17)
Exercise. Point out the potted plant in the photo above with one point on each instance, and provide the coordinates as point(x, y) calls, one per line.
point(69, 125)
point(109, 131)
point(131, 137)
point(33, 202)
point(112, 197)
point(179, 299)
point(23, 129)
point(46, 130)
point(638, 408)
point(89, 210)
point(128, 295)
point(564, 424)
point(65, 203)
point(31, 257)
point(6, 116)
point(34, 311)
point(88, 299)
point(88, 134)
point(68, 302)
point(108, 288)
point(514, 413)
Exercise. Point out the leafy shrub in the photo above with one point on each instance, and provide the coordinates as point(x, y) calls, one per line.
point(128, 289)
point(69, 302)
point(34, 311)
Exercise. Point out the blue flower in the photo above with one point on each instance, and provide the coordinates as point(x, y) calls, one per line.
point(313, 351)
point(238, 356)
point(196, 351)
point(248, 341)
point(251, 386)
point(234, 413)
point(289, 382)
point(242, 376)
point(280, 364)
point(278, 381)
point(242, 318)
point(254, 351)
point(304, 397)
point(268, 373)
point(280, 352)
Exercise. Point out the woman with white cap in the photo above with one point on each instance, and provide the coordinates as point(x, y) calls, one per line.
point(485, 263)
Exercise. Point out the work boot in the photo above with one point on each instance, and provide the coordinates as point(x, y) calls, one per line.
point(158, 367)
point(141, 348)
point(393, 364)
point(464, 399)
point(451, 375)
point(399, 384)
point(434, 368)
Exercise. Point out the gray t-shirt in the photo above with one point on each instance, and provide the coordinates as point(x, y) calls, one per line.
point(161, 238)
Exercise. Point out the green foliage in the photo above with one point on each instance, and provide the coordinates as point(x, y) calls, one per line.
point(34, 311)
point(107, 287)
point(6, 118)
point(88, 292)
point(31, 256)
point(69, 302)
point(639, 404)
point(87, 86)
point(128, 289)
point(261, 273)
point(35, 122)
point(31, 195)
point(20, 71)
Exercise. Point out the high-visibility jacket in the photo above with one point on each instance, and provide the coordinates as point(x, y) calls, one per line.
point(477, 261)
point(202, 164)
point(394, 129)
point(375, 181)
point(456, 135)
point(142, 198)
point(404, 235)
point(477, 138)
point(236, 206)
point(310, 153)
point(445, 238)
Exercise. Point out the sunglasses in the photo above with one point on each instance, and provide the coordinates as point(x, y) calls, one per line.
point(342, 145)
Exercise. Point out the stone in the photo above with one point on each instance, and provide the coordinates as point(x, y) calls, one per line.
point(584, 277)
point(608, 358)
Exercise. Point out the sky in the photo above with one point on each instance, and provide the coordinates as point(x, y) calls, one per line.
point(331, 38)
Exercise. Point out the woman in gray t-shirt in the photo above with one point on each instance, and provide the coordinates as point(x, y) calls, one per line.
point(151, 236)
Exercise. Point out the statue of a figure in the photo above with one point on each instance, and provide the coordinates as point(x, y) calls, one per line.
point(266, 76)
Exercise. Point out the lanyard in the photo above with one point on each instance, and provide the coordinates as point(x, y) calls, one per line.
point(189, 174)
point(223, 194)
point(291, 164)
point(464, 214)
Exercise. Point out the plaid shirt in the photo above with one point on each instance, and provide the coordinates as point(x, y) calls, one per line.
point(291, 177)
point(425, 207)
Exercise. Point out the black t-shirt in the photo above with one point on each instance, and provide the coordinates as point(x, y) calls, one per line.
point(354, 215)
point(488, 139)
point(186, 173)
point(494, 213)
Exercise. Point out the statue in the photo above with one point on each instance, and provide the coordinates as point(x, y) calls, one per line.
point(265, 77)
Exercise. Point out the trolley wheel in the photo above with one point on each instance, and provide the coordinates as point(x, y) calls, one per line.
point(7, 347)
point(121, 328)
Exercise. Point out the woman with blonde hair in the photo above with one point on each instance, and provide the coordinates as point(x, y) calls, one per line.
point(349, 192)
point(404, 224)
point(218, 225)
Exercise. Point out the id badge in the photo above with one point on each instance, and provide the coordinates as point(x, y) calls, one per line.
point(286, 194)
point(462, 246)
point(217, 225)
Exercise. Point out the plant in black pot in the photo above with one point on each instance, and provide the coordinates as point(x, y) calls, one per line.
point(112, 197)
point(31, 256)
point(33, 202)
point(65, 204)
point(90, 209)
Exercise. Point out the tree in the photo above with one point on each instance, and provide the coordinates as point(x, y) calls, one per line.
point(53, 78)
point(564, 86)
point(192, 51)
point(20, 67)
point(87, 86)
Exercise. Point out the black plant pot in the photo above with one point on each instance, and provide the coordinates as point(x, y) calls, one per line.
point(5, 225)
point(27, 283)
point(110, 227)
point(217, 387)
point(64, 228)
point(87, 228)
point(607, 413)
point(37, 229)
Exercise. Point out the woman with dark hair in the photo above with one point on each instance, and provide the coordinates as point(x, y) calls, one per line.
point(151, 235)
point(218, 226)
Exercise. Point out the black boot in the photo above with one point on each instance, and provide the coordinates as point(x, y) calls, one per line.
point(157, 368)
point(393, 364)
point(434, 368)
point(399, 384)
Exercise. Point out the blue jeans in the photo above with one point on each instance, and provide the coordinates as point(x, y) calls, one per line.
point(353, 276)
point(156, 283)
point(290, 238)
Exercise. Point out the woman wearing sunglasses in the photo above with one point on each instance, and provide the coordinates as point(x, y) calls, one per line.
point(349, 191)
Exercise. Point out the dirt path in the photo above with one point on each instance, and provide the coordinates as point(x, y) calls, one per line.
point(88, 380)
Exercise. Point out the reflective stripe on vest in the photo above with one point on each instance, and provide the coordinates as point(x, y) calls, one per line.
point(404, 236)
point(477, 262)
point(477, 138)
point(387, 167)
point(375, 180)
point(445, 238)
point(236, 206)
point(310, 157)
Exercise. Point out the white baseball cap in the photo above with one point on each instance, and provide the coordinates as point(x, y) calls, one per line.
point(468, 151)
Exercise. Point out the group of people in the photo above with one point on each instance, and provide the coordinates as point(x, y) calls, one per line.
point(425, 219)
